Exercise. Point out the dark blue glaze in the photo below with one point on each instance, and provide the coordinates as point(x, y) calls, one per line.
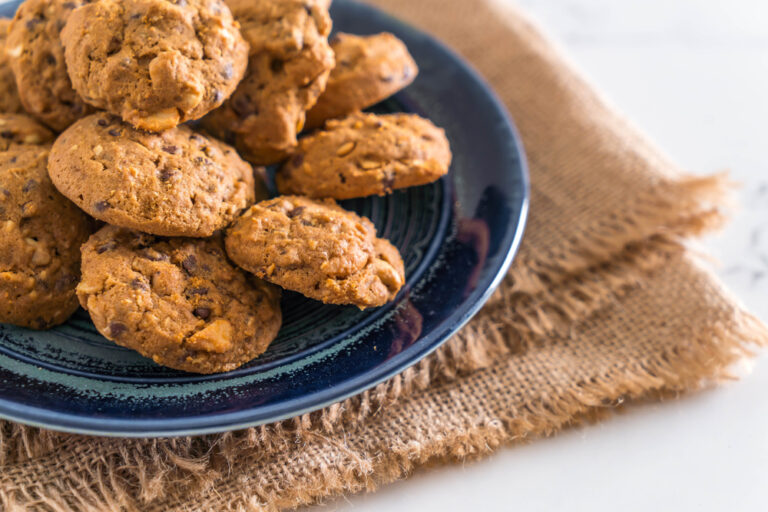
point(457, 236)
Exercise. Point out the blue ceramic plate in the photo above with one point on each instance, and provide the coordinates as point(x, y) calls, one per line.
point(457, 236)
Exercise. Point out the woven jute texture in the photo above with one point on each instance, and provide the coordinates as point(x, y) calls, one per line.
point(603, 306)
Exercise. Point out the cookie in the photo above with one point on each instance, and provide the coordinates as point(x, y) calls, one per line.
point(155, 63)
point(9, 95)
point(176, 300)
point(288, 68)
point(366, 154)
point(34, 51)
point(21, 129)
point(318, 249)
point(175, 183)
point(40, 237)
point(369, 69)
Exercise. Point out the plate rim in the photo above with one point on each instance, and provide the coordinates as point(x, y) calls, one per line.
point(237, 420)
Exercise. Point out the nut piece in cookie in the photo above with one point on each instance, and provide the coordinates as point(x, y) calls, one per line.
point(178, 301)
point(369, 69)
point(40, 237)
point(318, 249)
point(9, 94)
point(18, 129)
point(366, 154)
point(174, 183)
point(155, 63)
point(36, 56)
point(289, 64)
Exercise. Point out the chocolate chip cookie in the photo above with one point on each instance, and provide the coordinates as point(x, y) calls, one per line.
point(175, 183)
point(40, 237)
point(155, 63)
point(21, 129)
point(368, 69)
point(36, 57)
point(317, 249)
point(288, 68)
point(9, 95)
point(178, 301)
point(366, 154)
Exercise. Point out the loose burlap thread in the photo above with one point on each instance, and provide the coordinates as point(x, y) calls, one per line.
point(602, 305)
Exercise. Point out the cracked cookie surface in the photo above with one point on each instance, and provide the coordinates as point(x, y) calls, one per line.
point(177, 301)
point(155, 63)
point(40, 237)
point(9, 94)
point(289, 64)
point(318, 249)
point(366, 154)
point(21, 129)
point(36, 56)
point(175, 183)
point(369, 69)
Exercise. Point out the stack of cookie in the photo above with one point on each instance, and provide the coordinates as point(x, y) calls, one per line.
point(189, 247)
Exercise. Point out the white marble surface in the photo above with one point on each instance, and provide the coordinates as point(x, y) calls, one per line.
point(693, 74)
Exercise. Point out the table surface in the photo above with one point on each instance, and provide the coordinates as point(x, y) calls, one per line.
point(693, 75)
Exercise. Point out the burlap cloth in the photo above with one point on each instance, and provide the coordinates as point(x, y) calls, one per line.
point(603, 306)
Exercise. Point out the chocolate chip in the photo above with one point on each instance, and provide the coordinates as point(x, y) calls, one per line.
point(138, 284)
point(101, 206)
point(7, 134)
point(297, 159)
point(165, 174)
point(114, 132)
point(202, 313)
point(102, 122)
point(170, 149)
point(227, 70)
point(31, 24)
point(276, 65)
point(198, 291)
point(6, 192)
point(135, 15)
point(116, 329)
point(29, 185)
point(189, 263)
point(153, 255)
point(68, 5)
point(181, 3)
point(106, 247)
point(64, 282)
point(195, 137)
point(50, 59)
point(387, 79)
point(218, 97)
point(244, 106)
point(295, 212)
